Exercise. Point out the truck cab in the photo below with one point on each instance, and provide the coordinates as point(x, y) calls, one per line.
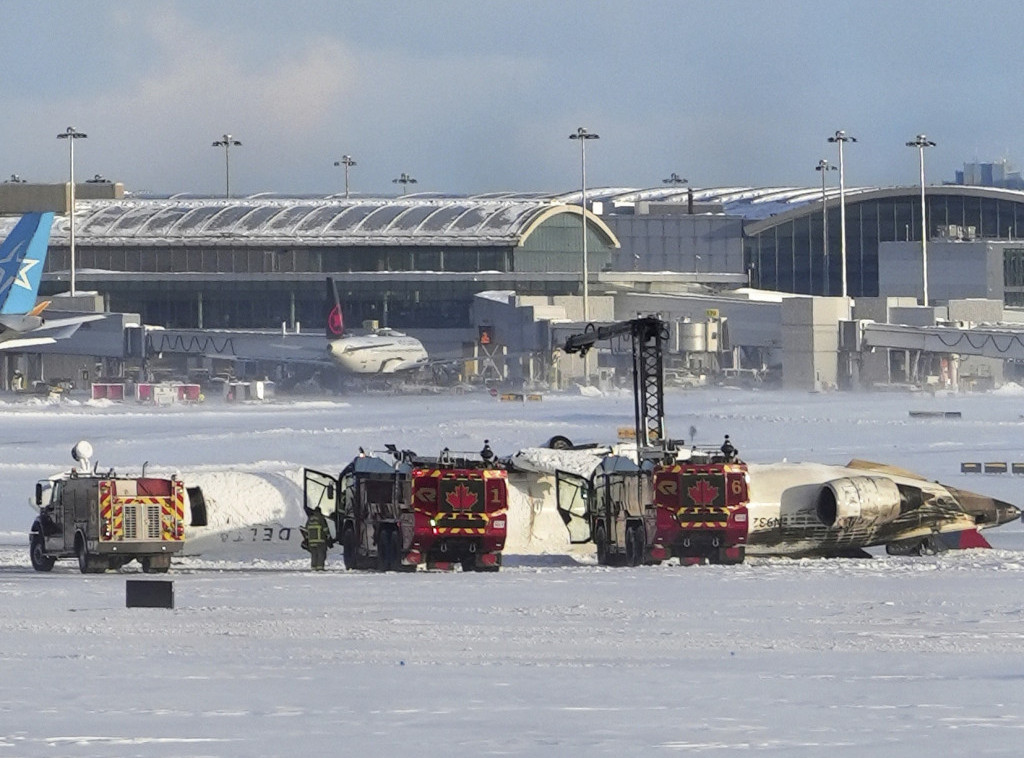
point(611, 508)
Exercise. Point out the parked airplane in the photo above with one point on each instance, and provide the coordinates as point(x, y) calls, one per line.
point(22, 255)
point(382, 351)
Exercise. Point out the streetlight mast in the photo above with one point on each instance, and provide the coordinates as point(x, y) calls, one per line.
point(840, 137)
point(824, 166)
point(583, 135)
point(404, 180)
point(227, 142)
point(921, 142)
point(70, 134)
point(347, 162)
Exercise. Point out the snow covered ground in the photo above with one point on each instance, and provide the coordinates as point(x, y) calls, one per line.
point(551, 656)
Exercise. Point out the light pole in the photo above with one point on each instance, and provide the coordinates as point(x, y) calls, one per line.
point(227, 142)
point(583, 135)
point(921, 142)
point(404, 180)
point(674, 178)
point(840, 137)
point(824, 166)
point(347, 162)
point(71, 134)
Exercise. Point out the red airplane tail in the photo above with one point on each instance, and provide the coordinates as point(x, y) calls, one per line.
point(335, 327)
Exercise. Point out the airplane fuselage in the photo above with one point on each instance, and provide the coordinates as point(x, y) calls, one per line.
point(384, 352)
point(866, 508)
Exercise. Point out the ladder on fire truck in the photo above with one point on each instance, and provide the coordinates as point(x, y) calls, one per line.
point(648, 334)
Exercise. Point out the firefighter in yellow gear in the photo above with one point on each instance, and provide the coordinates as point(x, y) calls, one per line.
point(317, 537)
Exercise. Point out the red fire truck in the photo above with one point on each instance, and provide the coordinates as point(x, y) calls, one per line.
point(397, 514)
point(701, 506)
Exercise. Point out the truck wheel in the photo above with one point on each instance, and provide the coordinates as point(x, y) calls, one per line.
point(601, 543)
point(396, 550)
point(87, 564)
point(40, 560)
point(469, 563)
point(731, 556)
point(384, 548)
point(635, 545)
point(348, 546)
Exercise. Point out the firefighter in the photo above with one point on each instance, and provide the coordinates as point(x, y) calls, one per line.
point(317, 537)
point(728, 450)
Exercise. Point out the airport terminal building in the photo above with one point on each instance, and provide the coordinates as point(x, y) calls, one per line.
point(406, 262)
point(417, 261)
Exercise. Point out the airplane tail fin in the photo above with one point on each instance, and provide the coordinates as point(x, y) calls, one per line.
point(22, 256)
point(335, 322)
point(964, 539)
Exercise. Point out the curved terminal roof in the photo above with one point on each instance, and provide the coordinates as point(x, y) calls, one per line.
point(751, 203)
point(499, 218)
point(413, 220)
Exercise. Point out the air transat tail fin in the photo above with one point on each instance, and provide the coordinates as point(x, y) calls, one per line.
point(22, 256)
point(335, 322)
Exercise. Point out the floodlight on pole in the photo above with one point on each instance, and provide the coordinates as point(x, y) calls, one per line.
point(921, 142)
point(824, 166)
point(347, 162)
point(674, 178)
point(583, 135)
point(227, 142)
point(839, 138)
point(71, 134)
point(404, 180)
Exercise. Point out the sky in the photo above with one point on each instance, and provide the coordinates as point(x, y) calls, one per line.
point(471, 97)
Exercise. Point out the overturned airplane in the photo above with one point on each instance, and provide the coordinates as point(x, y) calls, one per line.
point(799, 509)
point(789, 509)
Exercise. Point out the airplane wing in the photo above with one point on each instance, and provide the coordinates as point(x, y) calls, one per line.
point(884, 468)
point(62, 323)
point(21, 342)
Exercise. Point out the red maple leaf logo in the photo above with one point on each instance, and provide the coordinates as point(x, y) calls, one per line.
point(334, 322)
point(461, 498)
point(702, 493)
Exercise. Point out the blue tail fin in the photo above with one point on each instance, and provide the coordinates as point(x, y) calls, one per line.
point(22, 256)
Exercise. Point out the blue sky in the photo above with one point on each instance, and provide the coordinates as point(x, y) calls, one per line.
point(478, 96)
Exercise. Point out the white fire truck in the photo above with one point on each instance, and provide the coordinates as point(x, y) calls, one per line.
point(105, 520)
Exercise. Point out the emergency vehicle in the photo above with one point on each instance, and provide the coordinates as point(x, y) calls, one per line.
point(106, 520)
point(397, 514)
point(667, 501)
point(701, 509)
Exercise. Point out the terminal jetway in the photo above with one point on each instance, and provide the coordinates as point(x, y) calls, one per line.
point(225, 344)
point(1003, 342)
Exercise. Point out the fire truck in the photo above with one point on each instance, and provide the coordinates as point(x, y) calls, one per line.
point(106, 520)
point(396, 510)
point(671, 502)
point(611, 508)
point(701, 509)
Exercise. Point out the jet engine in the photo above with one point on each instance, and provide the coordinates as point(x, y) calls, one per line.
point(864, 499)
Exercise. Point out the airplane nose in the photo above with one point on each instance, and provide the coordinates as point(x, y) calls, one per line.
point(987, 511)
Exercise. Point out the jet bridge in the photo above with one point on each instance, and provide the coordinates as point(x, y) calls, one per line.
point(279, 347)
point(1000, 342)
